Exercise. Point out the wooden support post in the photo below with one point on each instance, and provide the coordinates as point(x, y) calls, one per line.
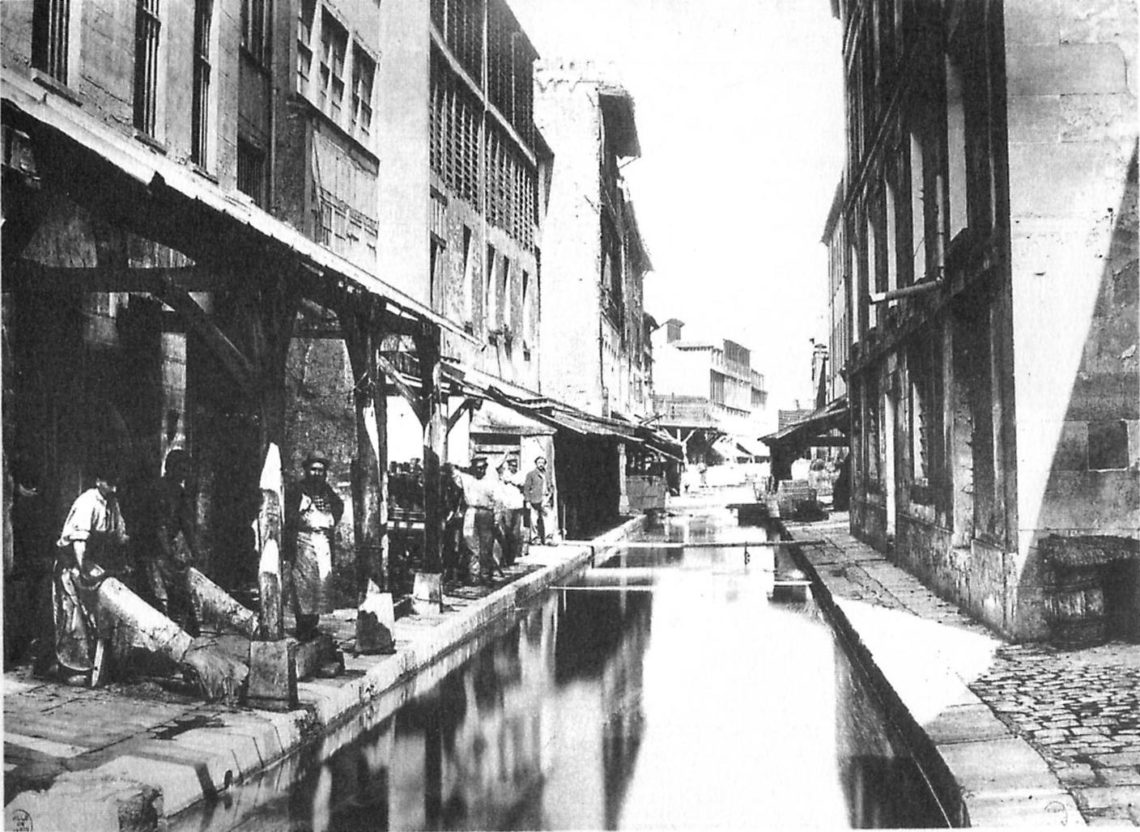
point(428, 589)
point(374, 614)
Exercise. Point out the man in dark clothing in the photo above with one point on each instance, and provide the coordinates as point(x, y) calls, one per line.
point(536, 492)
point(312, 511)
point(175, 533)
point(841, 489)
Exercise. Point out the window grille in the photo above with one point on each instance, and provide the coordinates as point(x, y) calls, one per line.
point(203, 12)
point(251, 171)
point(147, 28)
point(50, 24)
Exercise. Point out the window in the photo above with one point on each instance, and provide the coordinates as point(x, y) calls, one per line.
point(334, 42)
point(505, 316)
point(924, 371)
point(956, 148)
point(892, 242)
point(435, 271)
point(255, 29)
point(468, 281)
point(203, 11)
point(50, 27)
point(872, 244)
point(363, 70)
point(527, 324)
point(871, 426)
point(147, 28)
point(489, 306)
point(306, 10)
point(917, 209)
point(251, 171)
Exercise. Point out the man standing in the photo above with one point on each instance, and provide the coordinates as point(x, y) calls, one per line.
point(312, 511)
point(479, 524)
point(168, 565)
point(93, 535)
point(511, 508)
point(536, 491)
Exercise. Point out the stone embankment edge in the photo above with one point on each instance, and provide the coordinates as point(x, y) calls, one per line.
point(137, 793)
point(949, 751)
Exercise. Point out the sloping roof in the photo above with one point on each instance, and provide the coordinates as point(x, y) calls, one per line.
point(815, 426)
point(617, 109)
point(177, 184)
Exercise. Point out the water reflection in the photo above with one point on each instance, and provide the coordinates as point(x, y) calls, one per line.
point(692, 702)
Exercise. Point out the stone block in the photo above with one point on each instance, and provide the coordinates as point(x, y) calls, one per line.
point(1072, 452)
point(965, 723)
point(272, 675)
point(1031, 811)
point(1112, 797)
point(1065, 69)
point(87, 801)
point(427, 594)
point(375, 620)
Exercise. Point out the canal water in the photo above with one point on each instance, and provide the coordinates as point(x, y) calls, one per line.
point(662, 688)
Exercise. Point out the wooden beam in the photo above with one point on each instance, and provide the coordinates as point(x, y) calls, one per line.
point(407, 392)
point(468, 404)
point(233, 359)
point(25, 274)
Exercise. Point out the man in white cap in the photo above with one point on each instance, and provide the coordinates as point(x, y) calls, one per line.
point(511, 508)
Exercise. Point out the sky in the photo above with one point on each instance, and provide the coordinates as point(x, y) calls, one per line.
point(740, 115)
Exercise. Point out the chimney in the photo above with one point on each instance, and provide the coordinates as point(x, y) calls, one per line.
point(673, 330)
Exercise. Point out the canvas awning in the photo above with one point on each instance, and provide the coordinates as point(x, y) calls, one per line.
point(556, 414)
point(817, 429)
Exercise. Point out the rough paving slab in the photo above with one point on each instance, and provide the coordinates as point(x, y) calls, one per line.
point(92, 759)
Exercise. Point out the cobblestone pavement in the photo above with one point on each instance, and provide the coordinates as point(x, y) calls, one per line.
point(1078, 711)
point(1081, 710)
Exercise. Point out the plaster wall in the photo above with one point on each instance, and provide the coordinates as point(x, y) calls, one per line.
point(568, 114)
point(402, 124)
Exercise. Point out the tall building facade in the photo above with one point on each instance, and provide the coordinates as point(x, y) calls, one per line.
point(984, 269)
point(595, 260)
point(463, 165)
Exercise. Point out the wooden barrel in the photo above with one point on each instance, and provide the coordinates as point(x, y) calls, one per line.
point(1074, 608)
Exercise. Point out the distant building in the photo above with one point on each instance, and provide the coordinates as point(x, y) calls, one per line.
point(705, 389)
point(984, 305)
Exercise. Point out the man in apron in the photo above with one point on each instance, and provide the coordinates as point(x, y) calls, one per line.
point(312, 511)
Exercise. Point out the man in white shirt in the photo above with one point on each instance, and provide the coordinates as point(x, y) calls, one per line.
point(479, 493)
point(512, 506)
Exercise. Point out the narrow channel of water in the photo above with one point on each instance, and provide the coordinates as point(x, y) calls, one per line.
point(661, 688)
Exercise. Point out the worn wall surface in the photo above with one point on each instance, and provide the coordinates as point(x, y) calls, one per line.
point(568, 114)
point(403, 79)
point(100, 73)
point(1072, 111)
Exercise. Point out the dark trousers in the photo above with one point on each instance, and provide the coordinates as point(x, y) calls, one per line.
point(483, 565)
point(536, 521)
point(511, 525)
